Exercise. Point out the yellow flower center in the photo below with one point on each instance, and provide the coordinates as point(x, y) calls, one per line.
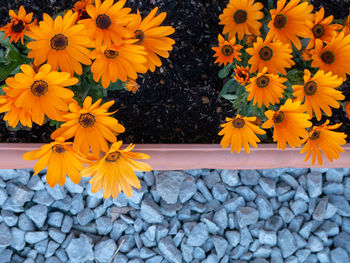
point(240, 16)
point(238, 123)
point(113, 157)
point(328, 57)
point(87, 120)
point(266, 53)
point(315, 135)
point(280, 21)
point(278, 117)
point(140, 35)
point(39, 88)
point(262, 81)
point(227, 50)
point(58, 148)
point(59, 42)
point(17, 26)
point(310, 88)
point(318, 31)
point(103, 21)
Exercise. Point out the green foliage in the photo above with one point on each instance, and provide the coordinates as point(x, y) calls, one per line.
point(118, 85)
point(223, 73)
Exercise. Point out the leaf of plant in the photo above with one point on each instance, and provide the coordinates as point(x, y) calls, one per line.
point(118, 85)
point(229, 87)
point(223, 73)
point(6, 70)
point(230, 97)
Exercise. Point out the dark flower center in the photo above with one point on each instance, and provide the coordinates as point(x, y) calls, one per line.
point(59, 42)
point(87, 120)
point(84, 14)
point(240, 16)
point(110, 53)
point(227, 50)
point(310, 88)
point(58, 148)
point(39, 88)
point(17, 27)
point(103, 21)
point(315, 135)
point(266, 53)
point(278, 117)
point(262, 81)
point(140, 35)
point(280, 21)
point(238, 123)
point(328, 57)
point(113, 157)
point(318, 31)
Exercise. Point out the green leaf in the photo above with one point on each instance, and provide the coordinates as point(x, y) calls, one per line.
point(118, 85)
point(223, 73)
point(230, 97)
point(6, 70)
point(96, 92)
point(230, 87)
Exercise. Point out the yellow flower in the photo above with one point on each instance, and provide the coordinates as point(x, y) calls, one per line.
point(347, 109)
point(61, 160)
point(266, 88)
point(227, 51)
point(322, 138)
point(91, 126)
point(273, 55)
point(19, 25)
point(319, 92)
point(289, 122)
point(42, 93)
point(131, 85)
point(242, 75)
point(241, 17)
point(306, 54)
point(80, 8)
point(115, 171)
point(240, 131)
point(61, 43)
point(289, 21)
point(346, 28)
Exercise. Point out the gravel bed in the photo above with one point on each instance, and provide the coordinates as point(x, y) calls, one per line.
point(277, 215)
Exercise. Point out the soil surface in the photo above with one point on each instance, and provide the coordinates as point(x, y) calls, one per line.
point(178, 103)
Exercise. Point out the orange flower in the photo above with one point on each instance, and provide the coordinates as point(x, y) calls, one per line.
point(227, 51)
point(80, 8)
point(61, 160)
point(115, 171)
point(347, 109)
point(242, 75)
point(306, 54)
point(131, 85)
point(19, 25)
point(346, 28)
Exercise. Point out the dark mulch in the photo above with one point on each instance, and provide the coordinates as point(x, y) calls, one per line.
point(179, 102)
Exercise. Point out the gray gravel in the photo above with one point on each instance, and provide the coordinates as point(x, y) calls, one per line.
point(213, 216)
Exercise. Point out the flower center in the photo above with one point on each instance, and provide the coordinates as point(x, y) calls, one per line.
point(310, 88)
point(266, 53)
point(280, 21)
point(113, 157)
point(58, 148)
point(103, 21)
point(87, 120)
point(59, 42)
point(318, 31)
point(238, 123)
point(262, 81)
point(328, 57)
point(240, 16)
point(39, 88)
point(110, 53)
point(84, 14)
point(227, 50)
point(278, 117)
point(17, 27)
point(140, 35)
point(315, 135)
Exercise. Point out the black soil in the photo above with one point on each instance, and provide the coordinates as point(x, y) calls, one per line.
point(178, 103)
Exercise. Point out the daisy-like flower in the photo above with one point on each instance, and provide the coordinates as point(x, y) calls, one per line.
point(319, 92)
point(242, 75)
point(42, 93)
point(335, 56)
point(346, 28)
point(80, 8)
point(115, 171)
point(322, 138)
point(153, 37)
point(347, 109)
point(273, 55)
point(131, 85)
point(241, 17)
point(108, 21)
point(289, 21)
point(61, 43)
point(321, 28)
point(266, 88)
point(306, 54)
point(289, 123)
point(91, 126)
point(227, 51)
point(61, 160)
point(118, 62)
point(19, 25)
point(240, 131)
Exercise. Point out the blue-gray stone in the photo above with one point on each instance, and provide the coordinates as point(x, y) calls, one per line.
point(35, 236)
point(72, 187)
point(151, 212)
point(306, 229)
point(249, 177)
point(262, 252)
point(274, 223)
point(129, 243)
point(7, 174)
point(286, 243)
point(55, 219)
point(289, 179)
point(220, 245)
point(212, 227)
point(67, 224)
point(162, 231)
point(341, 203)
point(85, 216)
point(302, 254)
point(148, 177)
point(298, 206)
point(314, 244)
point(188, 189)
point(25, 223)
point(178, 237)
point(320, 209)
point(286, 214)
point(52, 260)
point(268, 186)
point(330, 188)
point(77, 204)
point(57, 192)
point(168, 185)
point(155, 259)
point(119, 226)
point(19, 194)
point(314, 184)
point(230, 177)
point(296, 223)
point(232, 204)
point(169, 209)
point(146, 253)
point(5, 256)
point(264, 207)
point(347, 188)
point(56, 235)
point(301, 194)
point(331, 210)
point(323, 256)
point(51, 248)
point(151, 232)
point(220, 218)
point(35, 183)
point(267, 237)
point(276, 255)
point(219, 192)
point(247, 193)
point(63, 204)
point(335, 175)
point(224, 259)
point(9, 217)
point(342, 240)
point(61, 255)
point(198, 235)
point(41, 246)
point(204, 190)
point(339, 255)
point(80, 249)
point(186, 251)
point(211, 179)
point(42, 197)
point(92, 201)
point(104, 225)
point(198, 253)
point(233, 237)
point(169, 250)
point(137, 194)
point(104, 250)
point(286, 196)
point(17, 242)
point(3, 196)
point(246, 237)
point(212, 258)
point(37, 214)
point(247, 216)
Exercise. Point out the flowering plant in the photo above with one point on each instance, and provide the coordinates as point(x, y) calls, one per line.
point(61, 69)
point(283, 68)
